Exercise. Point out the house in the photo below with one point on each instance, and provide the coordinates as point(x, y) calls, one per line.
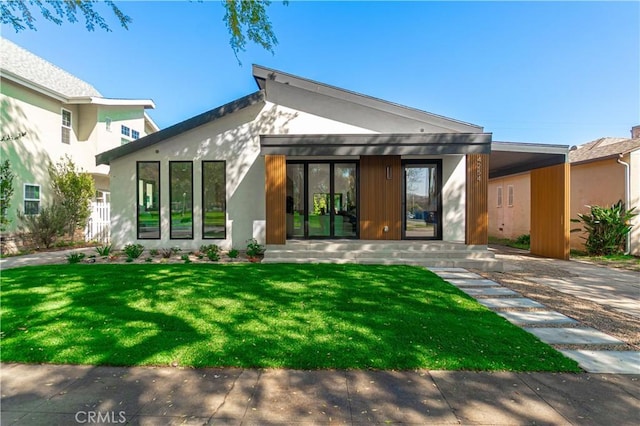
point(300, 160)
point(47, 113)
point(603, 172)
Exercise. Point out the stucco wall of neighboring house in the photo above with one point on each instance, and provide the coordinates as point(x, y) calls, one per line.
point(510, 221)
point(598, 183)
point(634, 162)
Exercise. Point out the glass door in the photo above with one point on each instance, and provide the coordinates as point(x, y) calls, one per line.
point(322, 200)
point(422, 201)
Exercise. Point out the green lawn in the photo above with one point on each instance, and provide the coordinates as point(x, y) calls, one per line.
point(254, 315)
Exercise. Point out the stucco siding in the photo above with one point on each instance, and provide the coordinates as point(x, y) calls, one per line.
point(510, 221)
point(634, 195)
point(453, 198)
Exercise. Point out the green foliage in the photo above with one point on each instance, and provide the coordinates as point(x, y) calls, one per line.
point(185, 258)
point(212, 251)
point(249, 17)
point(149, 259)
point(104, 250)
point(75, 257)
point(6, 192)
point(524, 239)
point(73, 190)
point(20, 13)
point(133, 251)
point(233, 253)
point(45, 227)
point(166, 253)
point(153, 252)
point(254, 248)
point(606, 228)
point(259, 316)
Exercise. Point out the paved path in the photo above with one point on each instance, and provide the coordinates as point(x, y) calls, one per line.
point(549, 326)
point(66, 395)
point(44, 258)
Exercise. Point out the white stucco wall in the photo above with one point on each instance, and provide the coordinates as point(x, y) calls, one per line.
point(453, 198)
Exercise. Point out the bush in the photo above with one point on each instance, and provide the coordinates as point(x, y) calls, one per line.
point(606, 228)
point(212, 251)
point(166, 253)
point(75, 257)
point(104, 250)
point(254, 248)
point(524, 239)
point(233, 253)
point(46, 226)
point(133, 251)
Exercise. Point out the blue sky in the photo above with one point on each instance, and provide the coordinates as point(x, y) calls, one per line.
point(547, 72)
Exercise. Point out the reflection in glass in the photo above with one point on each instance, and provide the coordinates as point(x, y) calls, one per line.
point(214, 199)
point(181, 199)
point(421, 201)
point(345, 203)
point(295, 201)
point(319, 200)
point(148, 217)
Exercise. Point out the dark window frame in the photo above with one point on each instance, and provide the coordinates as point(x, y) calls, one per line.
point(171, 237)
point(203, 206)
point(440, 186)
point(138, 163)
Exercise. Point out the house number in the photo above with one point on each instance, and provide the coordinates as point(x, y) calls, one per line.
point(479, 168)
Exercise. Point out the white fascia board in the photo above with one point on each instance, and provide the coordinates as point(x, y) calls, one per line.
point(146, 103)
point(148, 119)
point(33, 86)
point(529, 147)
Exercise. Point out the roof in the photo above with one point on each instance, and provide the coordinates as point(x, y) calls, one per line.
point(25, 68)
point(603, 148)
point(182, 127)
point(508, 158)
point(25, 65)
point(262, 74)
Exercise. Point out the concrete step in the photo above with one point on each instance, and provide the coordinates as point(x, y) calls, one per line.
point(408, 246)
point(483, 264)
point(381, 254)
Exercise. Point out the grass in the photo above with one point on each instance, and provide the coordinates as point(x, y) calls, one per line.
point(509, 243)
point(254, 315)
point(620, 261)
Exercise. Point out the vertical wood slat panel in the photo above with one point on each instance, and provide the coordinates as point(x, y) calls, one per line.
point(276, 195)
point(380, 198)
point(550, 225)
point(477, 209)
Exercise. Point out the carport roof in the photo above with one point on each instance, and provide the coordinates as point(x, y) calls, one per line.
point(508, 158)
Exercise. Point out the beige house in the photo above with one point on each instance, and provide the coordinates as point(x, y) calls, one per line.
point(603, 172)
point(47, 114)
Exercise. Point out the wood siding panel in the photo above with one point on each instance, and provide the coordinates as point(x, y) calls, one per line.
point(276, 194)
point(550, 220)
point(477, 212)
point(380, 198)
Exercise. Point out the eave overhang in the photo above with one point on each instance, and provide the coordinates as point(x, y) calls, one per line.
point(376, 144)
point(509, 158)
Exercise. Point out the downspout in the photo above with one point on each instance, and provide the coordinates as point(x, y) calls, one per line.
point(626, 196)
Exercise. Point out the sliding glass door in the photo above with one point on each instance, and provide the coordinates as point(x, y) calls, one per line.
point(422, 200)
point(322, 200)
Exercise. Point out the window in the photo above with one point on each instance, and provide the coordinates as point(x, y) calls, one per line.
point(31, 198)
point(107, 124)
point(510, 196)
point(103, 196)
point(124, 130)
point(499, 197)
point(66, 126)
point(135, 134)
point(214, 199)
point(148, 217)
point(181, 199)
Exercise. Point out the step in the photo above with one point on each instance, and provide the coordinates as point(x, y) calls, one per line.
point(410, 246)
point(481, 264)
point(381, 254)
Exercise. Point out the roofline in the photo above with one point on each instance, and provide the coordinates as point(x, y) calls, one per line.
point(146, 103)
point(261, 74)
point(152, 123)
point(33, 86)
point(182, 127)
point(529, 147)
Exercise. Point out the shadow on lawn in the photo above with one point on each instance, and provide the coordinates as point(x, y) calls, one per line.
point(294, 316)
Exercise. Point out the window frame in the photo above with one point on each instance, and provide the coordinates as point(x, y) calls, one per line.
point(203, 200)
point(138, 163)
point(26, 199)
point(499, 196)
point(125, 130)
point(135, 135)
point(171, 237)
point(510, 196)
point(66, 127)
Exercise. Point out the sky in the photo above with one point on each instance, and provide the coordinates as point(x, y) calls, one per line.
point(546, 72)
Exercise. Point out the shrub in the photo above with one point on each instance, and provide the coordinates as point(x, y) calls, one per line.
point(46, 226)
point(166, 253)
point(185, 257)
point(104, 250)
point(233, 253)
point(212, 251)
point(149, 259)
point(606, 228)
point(75, 257)
point(133, 251)
point(153, 252)
point(524, 239)
point(254, 248)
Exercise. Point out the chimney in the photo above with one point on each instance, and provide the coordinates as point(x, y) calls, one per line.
point(635, 132)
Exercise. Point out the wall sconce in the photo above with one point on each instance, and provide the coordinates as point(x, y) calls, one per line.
point(389, 173)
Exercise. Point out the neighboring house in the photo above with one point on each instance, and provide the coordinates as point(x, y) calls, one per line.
point(299, 160)
point(58, 114)
point(599, 174)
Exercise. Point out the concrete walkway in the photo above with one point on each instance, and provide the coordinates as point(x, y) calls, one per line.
point(44, 258)
point(66, 395)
